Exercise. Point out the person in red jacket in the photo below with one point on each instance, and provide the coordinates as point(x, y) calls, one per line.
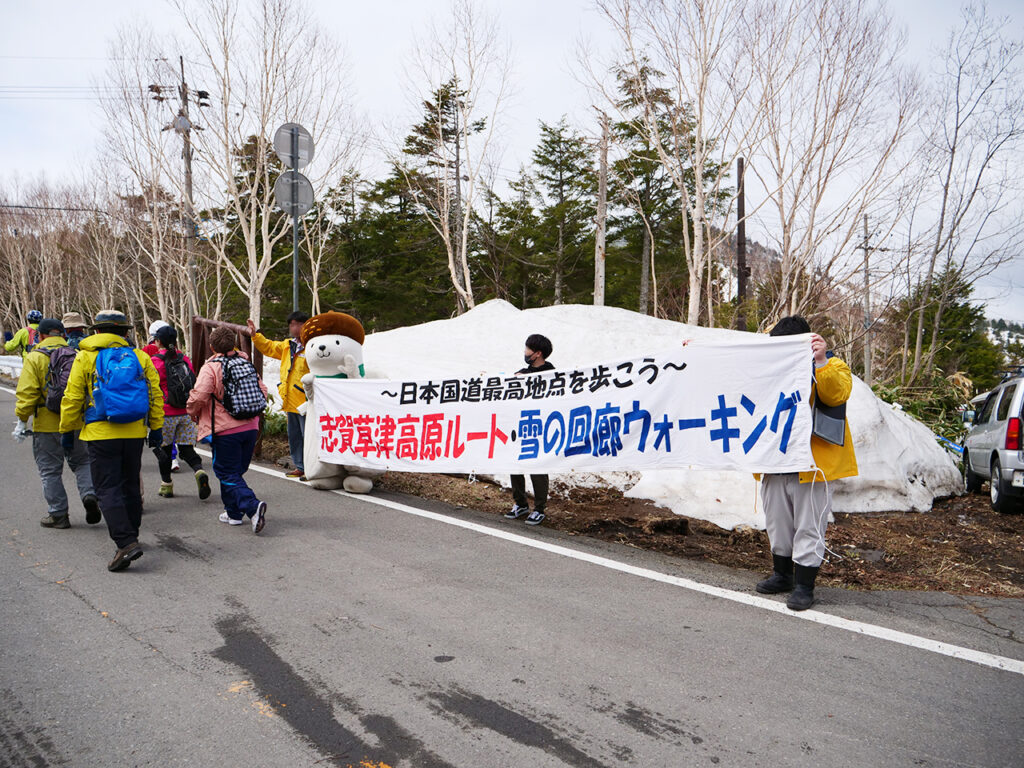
point(179, 428)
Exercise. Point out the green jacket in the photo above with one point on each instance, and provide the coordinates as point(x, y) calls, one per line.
point(32, 388)
point(20, 340)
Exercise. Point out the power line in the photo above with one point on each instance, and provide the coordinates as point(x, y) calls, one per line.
point(52, 208)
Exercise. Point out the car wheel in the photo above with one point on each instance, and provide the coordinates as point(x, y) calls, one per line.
point(972, 480)
point(1001, 501)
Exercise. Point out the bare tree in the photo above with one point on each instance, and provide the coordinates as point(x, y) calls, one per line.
point(972, 167)
point(139, 142)
point(837, 108)
point(263, 69)
point(467, 65)
point(702, 49)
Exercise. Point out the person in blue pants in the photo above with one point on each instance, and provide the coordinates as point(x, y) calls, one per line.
point(232, 440)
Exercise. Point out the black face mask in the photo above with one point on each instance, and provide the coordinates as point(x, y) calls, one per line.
point(528, 359)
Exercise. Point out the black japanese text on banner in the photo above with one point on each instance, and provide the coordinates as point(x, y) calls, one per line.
point(741, 405)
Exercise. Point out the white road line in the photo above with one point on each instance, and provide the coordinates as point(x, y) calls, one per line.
point(857, 627)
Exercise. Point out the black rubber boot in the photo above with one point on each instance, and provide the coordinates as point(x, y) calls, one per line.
point(803, 593)
point(781, 579)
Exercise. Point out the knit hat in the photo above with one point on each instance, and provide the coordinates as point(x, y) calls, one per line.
point(73, 320)
point(110, 318)
point(330, 324)
point(48, 326)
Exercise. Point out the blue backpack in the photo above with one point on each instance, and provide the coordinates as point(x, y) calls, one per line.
point(120, 393)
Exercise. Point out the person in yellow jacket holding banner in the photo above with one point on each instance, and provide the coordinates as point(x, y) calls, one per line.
point(112, 395)
point(40, 390)
point(292, 355)
point(797, 504)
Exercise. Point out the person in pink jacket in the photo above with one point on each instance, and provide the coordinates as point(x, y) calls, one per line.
point(233, 440)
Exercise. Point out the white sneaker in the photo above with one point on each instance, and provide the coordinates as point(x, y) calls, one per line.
point(260, 518)
point(229, 520)
point(175, 465)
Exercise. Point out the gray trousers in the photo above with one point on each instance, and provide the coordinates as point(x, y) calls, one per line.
point(796, 515)
point(50, 459)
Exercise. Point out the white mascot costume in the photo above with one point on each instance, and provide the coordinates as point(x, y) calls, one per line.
point(333, 344)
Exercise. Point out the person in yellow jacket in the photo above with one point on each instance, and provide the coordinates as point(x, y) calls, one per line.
point(797, 505)
point(27, 337)
point(114, 440)
point(293, 367)
point(33, 387)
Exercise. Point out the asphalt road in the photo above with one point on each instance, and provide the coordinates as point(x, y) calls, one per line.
point(354, 634)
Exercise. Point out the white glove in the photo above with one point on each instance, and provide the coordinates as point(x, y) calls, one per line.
point(350, 367)
point(20, 431)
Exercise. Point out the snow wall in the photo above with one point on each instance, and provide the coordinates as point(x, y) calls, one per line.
point(902, 467)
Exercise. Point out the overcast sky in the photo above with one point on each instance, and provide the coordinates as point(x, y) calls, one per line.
point(51, 52)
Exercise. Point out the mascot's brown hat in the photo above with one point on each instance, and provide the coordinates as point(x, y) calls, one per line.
point(332, 324)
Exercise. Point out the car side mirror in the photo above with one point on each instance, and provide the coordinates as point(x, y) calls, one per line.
point(968, 417)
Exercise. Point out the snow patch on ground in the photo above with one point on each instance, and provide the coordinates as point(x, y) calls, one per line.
point(902, 466)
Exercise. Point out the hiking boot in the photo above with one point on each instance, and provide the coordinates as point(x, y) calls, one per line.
point(92, 508)
point(124, 557)
point(175, 465)
point(203, 481)
point(166, 490)
point(55, 521)
point(536, 517)
point(516, 512)
point(229, 520)
point(781, 579)
point(803, 593)
point(296, 473)
point(259, 519)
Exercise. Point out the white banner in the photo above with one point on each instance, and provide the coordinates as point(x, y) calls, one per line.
point(740, 405)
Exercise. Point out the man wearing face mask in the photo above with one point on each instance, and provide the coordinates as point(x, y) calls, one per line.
point(538, 349)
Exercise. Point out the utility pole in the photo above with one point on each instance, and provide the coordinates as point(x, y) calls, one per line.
point(602, 213)
point(742, 271)
point(190, 222)
point(182, 124)
point(868, 321)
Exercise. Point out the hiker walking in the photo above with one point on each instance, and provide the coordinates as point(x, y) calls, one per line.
point(797, 505)
point(113, 393)
point(26, 338)
point(536, 353)
point(227, 401)
point(293, 367)
point(177, 377)
point(74, 328)
point(41, 385)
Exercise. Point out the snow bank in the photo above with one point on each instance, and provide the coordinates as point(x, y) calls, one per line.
point(10, 365)
point(902, 466)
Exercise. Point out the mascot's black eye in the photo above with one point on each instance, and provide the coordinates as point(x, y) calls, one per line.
point(337, 343)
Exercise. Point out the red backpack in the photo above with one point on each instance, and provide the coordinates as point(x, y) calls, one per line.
point(33, 338)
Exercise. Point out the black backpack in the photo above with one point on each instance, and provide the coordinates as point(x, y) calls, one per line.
point(180, 378)
point(57, 374)
point(243, 398)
